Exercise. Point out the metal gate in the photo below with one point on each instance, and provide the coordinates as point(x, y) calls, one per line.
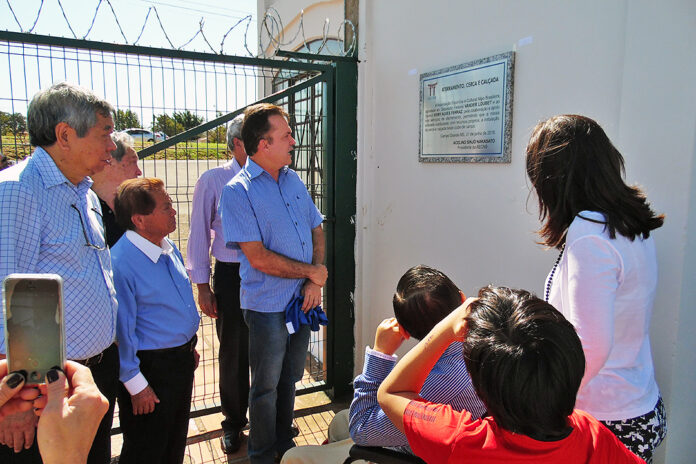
point(191, 96)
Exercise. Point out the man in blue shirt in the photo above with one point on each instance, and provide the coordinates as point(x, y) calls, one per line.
point(50, 222)
point(267, 212)
point(157, 324)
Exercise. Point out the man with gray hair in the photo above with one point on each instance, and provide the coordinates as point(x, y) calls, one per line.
point(124, 166)
point(222, 303)
point(50, 221)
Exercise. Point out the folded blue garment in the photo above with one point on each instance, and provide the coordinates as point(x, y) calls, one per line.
point(295, 317)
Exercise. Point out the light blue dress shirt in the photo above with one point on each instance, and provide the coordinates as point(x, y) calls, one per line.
point(280, 215)
point(41, 232)
point(156, 307)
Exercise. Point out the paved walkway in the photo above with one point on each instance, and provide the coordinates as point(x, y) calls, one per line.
point(314, 411)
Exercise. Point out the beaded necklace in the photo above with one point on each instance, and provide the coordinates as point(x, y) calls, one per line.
point(553, 271)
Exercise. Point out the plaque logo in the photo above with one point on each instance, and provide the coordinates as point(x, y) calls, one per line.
point(431, 88)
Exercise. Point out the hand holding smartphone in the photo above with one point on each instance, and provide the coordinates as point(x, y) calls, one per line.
point(34, 327)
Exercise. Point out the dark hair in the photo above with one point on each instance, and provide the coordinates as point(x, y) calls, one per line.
point(256, 124)
point(135, 196)
point(574, 167)
point(424, 296)
point(63, 102)
point(525, 361)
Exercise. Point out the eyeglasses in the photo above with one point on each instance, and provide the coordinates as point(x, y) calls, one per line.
point(84, 229)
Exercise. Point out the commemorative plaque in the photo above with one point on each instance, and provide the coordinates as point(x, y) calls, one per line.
point(466, 112)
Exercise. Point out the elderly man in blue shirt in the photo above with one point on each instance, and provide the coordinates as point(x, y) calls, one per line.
point(50, 222)
point(267, 212)
point(157, 324)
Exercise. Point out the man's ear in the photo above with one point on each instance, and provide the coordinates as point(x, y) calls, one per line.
point(63, 133)
point(137, 220)
point(462, 295)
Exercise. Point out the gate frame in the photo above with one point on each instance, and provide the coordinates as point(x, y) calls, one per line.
point(340, 73)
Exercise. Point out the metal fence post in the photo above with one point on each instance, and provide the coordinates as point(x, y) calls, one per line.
point(345, 123)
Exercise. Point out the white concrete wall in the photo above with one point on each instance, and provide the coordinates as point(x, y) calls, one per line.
point(631, 65)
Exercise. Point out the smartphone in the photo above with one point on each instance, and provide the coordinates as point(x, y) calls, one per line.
point(34, 328)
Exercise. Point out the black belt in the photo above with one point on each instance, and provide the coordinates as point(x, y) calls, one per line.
point(96, 359)
point(188, 347)
point(225, 264)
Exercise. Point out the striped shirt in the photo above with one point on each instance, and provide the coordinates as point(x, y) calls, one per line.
point(41, 232)
point(280, 215)
point(447, 383)
point(206, 224)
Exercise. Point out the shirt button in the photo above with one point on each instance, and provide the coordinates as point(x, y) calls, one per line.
point(295, 222)
point(287, 204)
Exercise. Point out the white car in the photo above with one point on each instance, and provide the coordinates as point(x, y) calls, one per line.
point(144, 135)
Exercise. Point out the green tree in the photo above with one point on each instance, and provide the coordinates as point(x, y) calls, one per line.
point(165, 123)
point(187, 119)
point(125, 119)
point(12, 123)
point(217, 135)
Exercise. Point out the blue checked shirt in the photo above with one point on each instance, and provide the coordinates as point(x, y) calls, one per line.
point(280, 215)
point(40, 232)
point(447, 383)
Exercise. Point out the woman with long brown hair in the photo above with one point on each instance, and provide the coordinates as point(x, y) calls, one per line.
point(605, 277)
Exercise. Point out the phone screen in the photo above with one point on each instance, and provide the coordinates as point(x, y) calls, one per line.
point(33, 322)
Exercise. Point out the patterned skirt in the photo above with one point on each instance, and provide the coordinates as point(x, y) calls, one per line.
point(642, 434)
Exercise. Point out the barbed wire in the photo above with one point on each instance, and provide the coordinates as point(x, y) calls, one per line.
point(246, 32)
point(271, 33)
point(64, 16)
point(272, 22)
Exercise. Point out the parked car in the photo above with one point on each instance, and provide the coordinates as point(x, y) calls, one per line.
point(144, 135)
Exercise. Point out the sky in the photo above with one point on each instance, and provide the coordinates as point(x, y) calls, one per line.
point(180, 19)
point(147, 91)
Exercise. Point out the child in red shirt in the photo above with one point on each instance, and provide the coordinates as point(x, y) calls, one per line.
point(526, 363)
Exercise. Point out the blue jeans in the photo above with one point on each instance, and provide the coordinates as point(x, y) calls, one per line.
point(277, 361)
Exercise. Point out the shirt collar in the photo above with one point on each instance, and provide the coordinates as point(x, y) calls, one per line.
point(254, 170)
point(150, 250)
point(51, 175)
point(231, 164)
